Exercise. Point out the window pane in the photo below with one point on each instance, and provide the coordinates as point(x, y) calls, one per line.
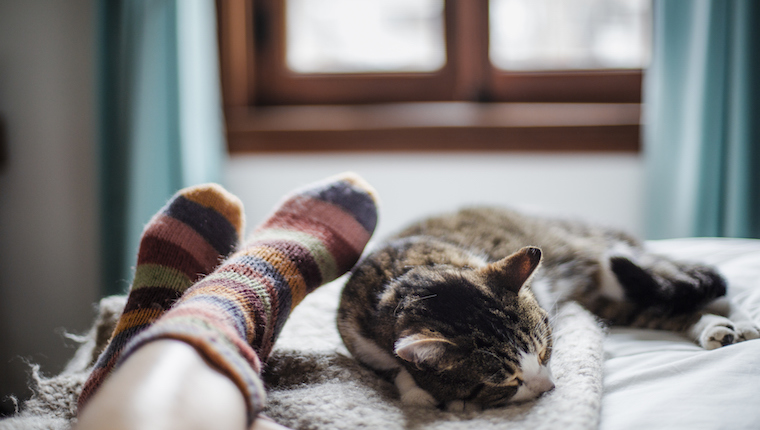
point(569, 34)
point(350, 36)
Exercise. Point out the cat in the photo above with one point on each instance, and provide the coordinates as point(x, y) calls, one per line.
point(456, 308)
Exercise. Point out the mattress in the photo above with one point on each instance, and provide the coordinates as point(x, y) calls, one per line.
point(655, 379)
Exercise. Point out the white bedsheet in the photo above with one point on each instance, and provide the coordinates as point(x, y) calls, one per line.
point(660, 380)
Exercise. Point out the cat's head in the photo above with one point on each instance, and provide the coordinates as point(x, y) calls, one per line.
point(475, 335)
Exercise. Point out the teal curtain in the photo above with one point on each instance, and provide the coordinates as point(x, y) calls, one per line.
point(702, 120)
point(160, 118)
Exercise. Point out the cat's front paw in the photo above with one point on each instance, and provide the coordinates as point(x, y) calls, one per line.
point(462, 406)
point(717, 331)
point(418, 397)
point(411, 394)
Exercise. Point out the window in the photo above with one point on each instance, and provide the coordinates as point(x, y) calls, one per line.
point(433, 74)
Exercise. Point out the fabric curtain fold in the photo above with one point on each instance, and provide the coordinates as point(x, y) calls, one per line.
point(702, 120)
point(161, 126)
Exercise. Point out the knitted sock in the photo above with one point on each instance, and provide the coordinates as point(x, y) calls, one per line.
point(183, 242)
point(233, 316)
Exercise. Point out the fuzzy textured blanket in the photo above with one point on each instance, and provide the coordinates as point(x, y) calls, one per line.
point(313, 383)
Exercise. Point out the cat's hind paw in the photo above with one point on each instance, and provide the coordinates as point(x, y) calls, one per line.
point(747, 331)
point(717, 335)
point(716, 331)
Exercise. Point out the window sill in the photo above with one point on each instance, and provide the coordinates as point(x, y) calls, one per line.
point(436, 126)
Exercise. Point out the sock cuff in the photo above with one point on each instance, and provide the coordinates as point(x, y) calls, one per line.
point(217, 343)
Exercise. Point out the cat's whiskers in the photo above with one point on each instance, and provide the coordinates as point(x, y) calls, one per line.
point(398, 305)
point(495, 378)
point(552, 308)
point(552, 318)
point(541, 329)
point(414, 300)
point(492, 354)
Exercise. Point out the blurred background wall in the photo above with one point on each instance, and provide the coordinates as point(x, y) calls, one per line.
point(49, 225)
point(48, 207)
point(602, 188)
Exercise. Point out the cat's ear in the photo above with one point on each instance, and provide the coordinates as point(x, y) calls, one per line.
point(422, 349)
point(512, 272)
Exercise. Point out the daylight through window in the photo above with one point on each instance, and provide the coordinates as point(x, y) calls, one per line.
point(490, 75)
point(369, 36)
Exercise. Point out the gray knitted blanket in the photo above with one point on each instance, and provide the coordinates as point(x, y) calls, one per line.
point(313, 383)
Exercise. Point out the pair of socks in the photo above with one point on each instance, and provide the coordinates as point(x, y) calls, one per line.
point(231, 306)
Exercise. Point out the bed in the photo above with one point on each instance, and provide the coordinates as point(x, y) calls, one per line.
point(617, 378)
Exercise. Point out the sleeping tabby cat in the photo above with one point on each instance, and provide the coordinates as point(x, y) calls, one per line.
point(454, 307)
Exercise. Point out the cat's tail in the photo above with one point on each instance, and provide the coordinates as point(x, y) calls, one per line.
point(672, 287)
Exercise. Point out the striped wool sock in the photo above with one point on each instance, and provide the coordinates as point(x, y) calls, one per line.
point(184, 241)
point(233, 316)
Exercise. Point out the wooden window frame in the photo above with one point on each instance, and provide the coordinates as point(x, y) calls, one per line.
point(468, 105)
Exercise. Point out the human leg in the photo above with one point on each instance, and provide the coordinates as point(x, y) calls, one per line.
point(183, 242)
point(233, 316)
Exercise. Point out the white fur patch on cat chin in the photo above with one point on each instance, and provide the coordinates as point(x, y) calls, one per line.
point(537, 378)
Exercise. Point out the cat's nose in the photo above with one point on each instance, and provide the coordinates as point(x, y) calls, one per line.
point(544, 385)
point(544, 381)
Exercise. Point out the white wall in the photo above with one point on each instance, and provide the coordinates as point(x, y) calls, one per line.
point(601, 188)
point(48, 212)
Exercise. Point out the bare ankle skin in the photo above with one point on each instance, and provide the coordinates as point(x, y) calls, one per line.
point(167, 385)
